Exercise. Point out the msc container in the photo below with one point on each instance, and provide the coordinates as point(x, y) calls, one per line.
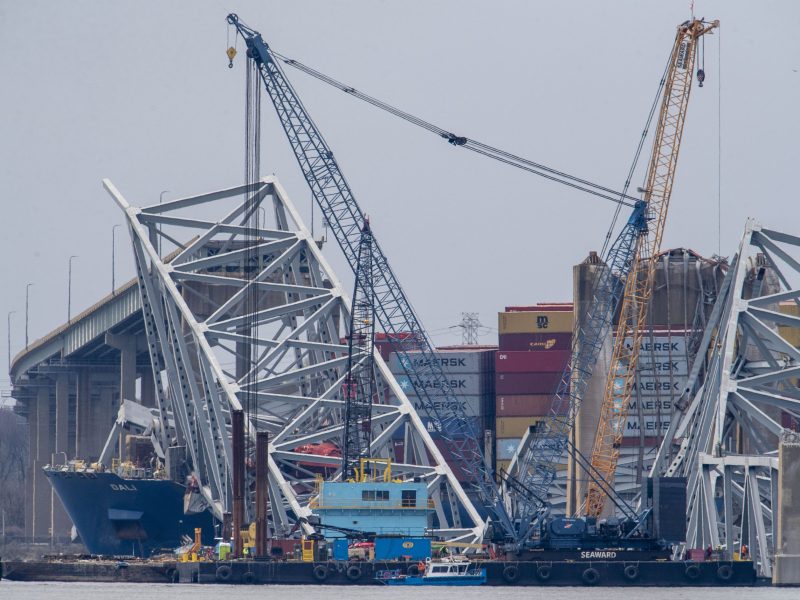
point(525, 405)
point(535, 322)
point(512, 342)
point(540, 361)
point(402, 548)
point(506, 448)
point(526, 383)
point(514, 427)
point(450, 361)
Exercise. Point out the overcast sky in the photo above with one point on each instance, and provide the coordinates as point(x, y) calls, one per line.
point(140, 92)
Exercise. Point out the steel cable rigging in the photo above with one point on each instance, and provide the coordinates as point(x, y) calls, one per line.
point(487, 150)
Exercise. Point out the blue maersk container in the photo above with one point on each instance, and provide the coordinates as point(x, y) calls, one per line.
point(400, 548)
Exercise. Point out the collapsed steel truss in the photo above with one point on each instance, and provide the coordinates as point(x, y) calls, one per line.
point(204, 351)
point(725, 437)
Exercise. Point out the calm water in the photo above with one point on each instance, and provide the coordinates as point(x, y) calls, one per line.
point(130, 591)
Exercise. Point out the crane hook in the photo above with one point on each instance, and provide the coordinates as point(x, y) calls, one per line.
point(231, 54)
point(701, 76)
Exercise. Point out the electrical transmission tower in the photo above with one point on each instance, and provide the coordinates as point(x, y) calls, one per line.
point(470, 323)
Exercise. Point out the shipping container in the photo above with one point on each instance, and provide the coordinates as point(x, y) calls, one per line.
point(464, 384)
point(662, 343)
point(664, 387)
point(554, 342)
point(536, 361)
point(653, 425)
point(402, 548)
point(436, 429)
point(506, 448)
point(789, 421)
point(535, 322)
point(551, 306)
point(526, 383)
point(633, 442)
point(650, 405)
point(460, 473)
point(514, 427)
point(383, 342)
point(451, 361)
point(471, 406)
point(663, 366)
point(444, 449)
point(526, 405)
point(790, 334)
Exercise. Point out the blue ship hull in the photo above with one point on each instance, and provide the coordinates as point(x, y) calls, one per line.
point(127, 517)
point(448, 581)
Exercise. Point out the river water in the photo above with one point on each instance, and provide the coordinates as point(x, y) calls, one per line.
point(10, 590)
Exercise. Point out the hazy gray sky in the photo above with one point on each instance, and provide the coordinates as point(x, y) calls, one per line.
point(140, 92)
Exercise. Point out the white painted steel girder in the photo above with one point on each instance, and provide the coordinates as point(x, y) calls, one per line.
point(724, 438)
point(197, 329)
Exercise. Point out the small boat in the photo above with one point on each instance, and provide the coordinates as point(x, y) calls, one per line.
point(444, 572)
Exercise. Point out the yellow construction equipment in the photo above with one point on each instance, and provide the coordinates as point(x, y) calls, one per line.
point(193, 553)
point(308, 550)
point(639, 284)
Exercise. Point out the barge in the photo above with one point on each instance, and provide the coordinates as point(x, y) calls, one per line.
point(498, 573)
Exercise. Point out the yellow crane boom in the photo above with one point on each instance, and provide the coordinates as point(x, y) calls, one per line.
point(639, 284)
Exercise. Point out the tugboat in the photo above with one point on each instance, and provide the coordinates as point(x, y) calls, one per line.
point(441, 572)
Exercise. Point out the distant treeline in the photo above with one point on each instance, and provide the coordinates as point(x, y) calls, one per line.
point(13, 460)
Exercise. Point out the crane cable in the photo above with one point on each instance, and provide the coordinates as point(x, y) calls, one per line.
point(637, 155)
point(478, 147)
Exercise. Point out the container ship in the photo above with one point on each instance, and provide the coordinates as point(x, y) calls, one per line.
point(127, 511)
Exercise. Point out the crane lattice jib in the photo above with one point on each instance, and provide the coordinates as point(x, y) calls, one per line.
point(639, 284)
point(547, 442)
point(393, 311)
point(358, 389)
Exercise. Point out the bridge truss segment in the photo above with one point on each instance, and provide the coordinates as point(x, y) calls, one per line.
point(724, 438)
point(208, 344)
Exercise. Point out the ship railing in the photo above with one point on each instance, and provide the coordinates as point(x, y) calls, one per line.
point(371, 505)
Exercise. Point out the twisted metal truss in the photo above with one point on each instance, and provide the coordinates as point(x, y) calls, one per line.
point(209, 350)
point(725, 437)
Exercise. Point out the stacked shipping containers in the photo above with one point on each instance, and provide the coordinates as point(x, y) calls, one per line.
point(661, 375)
point(470, 373)
point(535, 345)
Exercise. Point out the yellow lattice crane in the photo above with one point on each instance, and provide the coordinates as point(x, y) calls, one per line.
point(639, 284)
